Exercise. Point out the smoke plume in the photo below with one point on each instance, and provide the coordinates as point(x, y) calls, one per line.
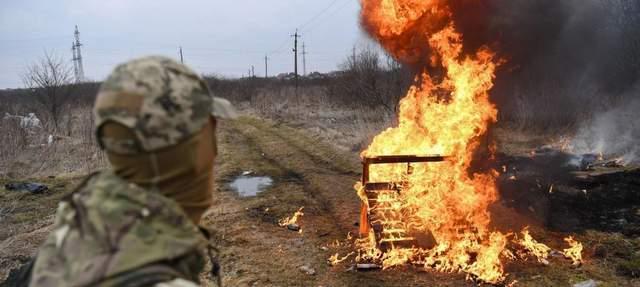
point(568, 64)
point(615, 132)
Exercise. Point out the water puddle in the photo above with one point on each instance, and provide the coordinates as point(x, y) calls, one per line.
point(250, 185)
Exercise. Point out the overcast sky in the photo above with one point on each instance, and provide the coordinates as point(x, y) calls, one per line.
point(217, 37)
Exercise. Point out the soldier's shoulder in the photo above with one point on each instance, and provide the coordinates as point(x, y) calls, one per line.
point(105, 180)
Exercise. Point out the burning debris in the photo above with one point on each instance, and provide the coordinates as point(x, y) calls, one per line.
point(335, 259)
point(291, 222)
point(574, 252)
point(432, 211)
point(533, 247)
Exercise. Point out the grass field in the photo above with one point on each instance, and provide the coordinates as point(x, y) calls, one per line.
point(309, 172)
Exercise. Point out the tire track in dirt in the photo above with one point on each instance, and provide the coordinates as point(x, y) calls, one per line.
point(327, 176)
point(255, 250)
point(306, 172)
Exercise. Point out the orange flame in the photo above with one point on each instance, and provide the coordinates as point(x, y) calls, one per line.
point(574, 252)
point(436, 117)
point(446, 112)
point(539, 250)
point(291, 219)
point(335, 258)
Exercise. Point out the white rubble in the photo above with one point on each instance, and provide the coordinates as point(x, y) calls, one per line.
point(588, 283)
point(30, 121)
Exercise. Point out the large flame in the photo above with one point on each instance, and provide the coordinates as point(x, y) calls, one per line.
point(441, 208)
point(448, 117)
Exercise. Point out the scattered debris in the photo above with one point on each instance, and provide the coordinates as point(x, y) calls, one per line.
point(293, 227)
point(307, 269)
point(26, 122)
point(367, 266)
point(588, 283)
point(291, 223)
point(35, 188)
point(556, 254)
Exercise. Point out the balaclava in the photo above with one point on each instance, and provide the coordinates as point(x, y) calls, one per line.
point(156, 120)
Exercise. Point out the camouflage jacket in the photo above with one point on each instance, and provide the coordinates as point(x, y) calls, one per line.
point(113, 233)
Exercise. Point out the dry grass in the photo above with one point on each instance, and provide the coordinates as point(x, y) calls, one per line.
point(26, 219)
point(316, 112)
point(27, 152)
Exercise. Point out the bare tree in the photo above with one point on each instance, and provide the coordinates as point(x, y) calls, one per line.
point(50, 82)
point(367, 80)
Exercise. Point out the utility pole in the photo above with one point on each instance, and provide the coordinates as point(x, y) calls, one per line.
point(354, 55)
point(77, 57)
point(295, 55)
point(304, 60)
point(253, 72)
point(266, 66)
point(181, 58)
point(73, 59)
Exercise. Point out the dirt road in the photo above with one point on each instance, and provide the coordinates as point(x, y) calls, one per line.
point(306, 173)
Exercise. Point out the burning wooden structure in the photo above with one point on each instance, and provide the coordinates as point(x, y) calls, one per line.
point(433, 212)
point(378, 204)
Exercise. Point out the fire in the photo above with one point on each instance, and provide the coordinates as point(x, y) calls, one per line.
point(291, 219)
point(335, 259)
point(539, 250)
point(441, 209)
point(446, 116)
point(574, 252)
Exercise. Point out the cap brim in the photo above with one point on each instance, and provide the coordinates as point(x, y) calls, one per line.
point(223, 109)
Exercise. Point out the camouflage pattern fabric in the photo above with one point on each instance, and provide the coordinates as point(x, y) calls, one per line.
point(163, 102)
point(110, 232)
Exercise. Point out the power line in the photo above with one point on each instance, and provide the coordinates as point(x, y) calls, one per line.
point(318, 15)
point(281, 46)
point(333, 12)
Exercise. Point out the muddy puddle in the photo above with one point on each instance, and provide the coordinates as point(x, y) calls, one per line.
point(247, 186)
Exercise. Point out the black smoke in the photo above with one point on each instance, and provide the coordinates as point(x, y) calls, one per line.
point(564, 59)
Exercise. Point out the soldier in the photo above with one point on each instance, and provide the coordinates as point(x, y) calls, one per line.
point(136, 224)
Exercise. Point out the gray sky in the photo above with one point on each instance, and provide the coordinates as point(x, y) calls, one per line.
point(217, 37)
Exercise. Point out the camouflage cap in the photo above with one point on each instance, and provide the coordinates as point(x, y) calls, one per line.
point(163, 102)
